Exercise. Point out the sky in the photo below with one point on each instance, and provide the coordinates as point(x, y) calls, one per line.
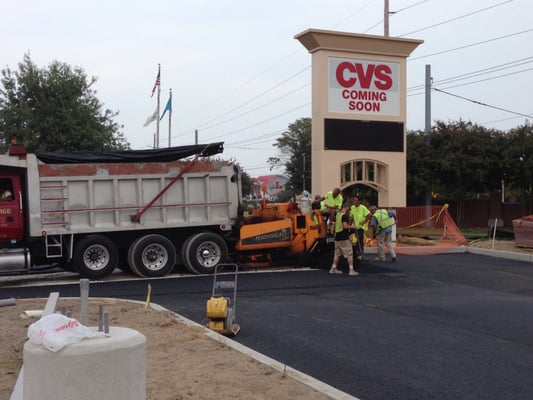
point(238, 75)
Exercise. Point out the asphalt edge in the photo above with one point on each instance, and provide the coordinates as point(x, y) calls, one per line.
point(510, 255)
point(327, 390)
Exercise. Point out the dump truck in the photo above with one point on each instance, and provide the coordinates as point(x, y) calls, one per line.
point(145, 211)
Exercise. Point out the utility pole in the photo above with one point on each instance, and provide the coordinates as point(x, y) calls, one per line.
point(427, 130)
point(303, 173)
point(427, 133)
point(386, 18)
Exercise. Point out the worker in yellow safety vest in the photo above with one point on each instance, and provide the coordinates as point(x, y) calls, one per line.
point(330, 204)
point(343, 245)
point(382, 222)
point(360, 216)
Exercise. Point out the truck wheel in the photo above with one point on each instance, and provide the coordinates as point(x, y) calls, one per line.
point(152, 256)
point(203, 252)
point(95, 257)
point(184, 256)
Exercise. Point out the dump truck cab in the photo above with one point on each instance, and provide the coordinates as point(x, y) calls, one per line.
point(11, 212)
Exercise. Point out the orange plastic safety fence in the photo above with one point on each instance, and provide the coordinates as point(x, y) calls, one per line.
point(424, 231)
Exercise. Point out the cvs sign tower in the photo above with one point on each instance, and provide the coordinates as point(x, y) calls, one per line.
point(359, 112)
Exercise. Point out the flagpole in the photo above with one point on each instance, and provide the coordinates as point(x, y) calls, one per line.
point(170, 119)
point(158, 100)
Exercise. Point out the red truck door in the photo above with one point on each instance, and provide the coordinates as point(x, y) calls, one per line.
point(11, 217)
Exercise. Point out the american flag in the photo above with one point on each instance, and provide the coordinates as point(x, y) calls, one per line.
point(157, 82)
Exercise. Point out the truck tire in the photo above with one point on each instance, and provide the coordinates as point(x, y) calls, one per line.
point(123, 261)
point(203, 251)
point(152, 256)
point(184, 257)
point(95, 257)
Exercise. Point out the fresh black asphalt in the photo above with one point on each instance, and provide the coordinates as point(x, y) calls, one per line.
point(453, 326)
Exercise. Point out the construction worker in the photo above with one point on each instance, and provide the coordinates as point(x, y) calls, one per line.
point(382, 222)
point(305, 203)
point(343, 245)
point(315, 208)
point(330, 204)
point(248, 214)
point(360, 216)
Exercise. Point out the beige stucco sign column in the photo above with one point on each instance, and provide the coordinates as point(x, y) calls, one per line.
point(359, 112)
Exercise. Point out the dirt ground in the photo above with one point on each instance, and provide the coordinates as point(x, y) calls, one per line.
point(501, 245)
point(182, 362)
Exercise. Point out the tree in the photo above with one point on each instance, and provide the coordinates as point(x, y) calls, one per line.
point(461, 160)
point(468, 161)
point(518, 164)
point(295, 148)
point(421, 178)
point(55, 109)
point(246, 183)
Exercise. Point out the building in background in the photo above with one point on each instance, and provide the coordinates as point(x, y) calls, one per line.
point(272, 184)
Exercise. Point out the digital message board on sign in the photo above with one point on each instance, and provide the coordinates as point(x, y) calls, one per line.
point(363, 87)
point(352, 134)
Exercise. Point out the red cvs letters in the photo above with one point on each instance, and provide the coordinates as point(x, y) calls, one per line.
point(349, 74)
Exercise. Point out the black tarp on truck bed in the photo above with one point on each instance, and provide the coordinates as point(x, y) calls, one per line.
point(127, 156)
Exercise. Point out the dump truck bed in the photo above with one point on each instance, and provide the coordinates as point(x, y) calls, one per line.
point(73, 195)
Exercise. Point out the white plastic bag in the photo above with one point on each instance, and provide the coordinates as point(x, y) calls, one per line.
point(55, 331)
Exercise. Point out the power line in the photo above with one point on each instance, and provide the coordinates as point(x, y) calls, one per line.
point(485, 71)
point(239, 144)
point(261, 122)
point(260, 139)
point(258, 96)
point(408, 7)
point(249, 81)
point(457, 18)
point(420, 91)
point(395, 12)
point(471, 45)
point(490, 79)
point(496, 68)
point(246, 147)
point(482, 104)
point(499, 120)
point(261, 167)
point(258, 107)
point(254, 98)
point(353, 13)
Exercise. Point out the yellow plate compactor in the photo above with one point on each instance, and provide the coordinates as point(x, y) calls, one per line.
point(220, 309)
